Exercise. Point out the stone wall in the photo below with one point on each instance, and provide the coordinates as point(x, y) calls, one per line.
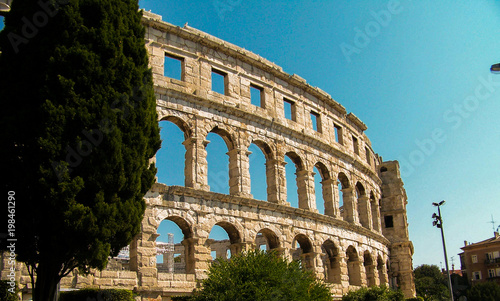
point(361, 240)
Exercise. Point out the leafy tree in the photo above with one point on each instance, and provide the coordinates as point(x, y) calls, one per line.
point(257, 275)
point(77, 128)
point(430, 283)
point(380, 293)
point(484, 291)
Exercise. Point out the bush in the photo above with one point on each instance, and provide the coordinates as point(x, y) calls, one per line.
point(378, 293)
point(4, 291)
point(418, 298)
point(484, 291)
point(260, 276)
point(92, 294)
point(181, 298)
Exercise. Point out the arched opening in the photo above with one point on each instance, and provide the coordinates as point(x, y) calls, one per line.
point(170, 158)
point(267, 240)
point(293, 167)
point(174, 246)
point(303, 251)
point(343, 184)
point(258, 171)
point(362, 201)
point(382, 276)
point(218, 160)
point(224, 240)
point(323, 185)
point(369, 269)
point(331, 262)
point(374, 205)
point(353, 266)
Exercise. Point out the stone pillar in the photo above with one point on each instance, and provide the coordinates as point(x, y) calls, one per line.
point(276, 182)
point(371, 276)
point(147, 272)
point(239, 247)
point(344, 271)
point(365, 212)
point(374, 204)
point(201, 257)
point(356, 273)
point(336, 200)
point(196, 166)
point(350, 205)
point(305, 189)
point(188, 244)
point(331, 206)
point(308, 259)
point(239, 173)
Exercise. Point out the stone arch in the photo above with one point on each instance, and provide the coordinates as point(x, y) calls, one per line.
point(305, 183)
point(271, 238)
point(369, 269)
point(187, 247)
point(375, 208)
point(348, 210)
point(327, 189)
point(225, 135)
point(382, 274)
point(305, 251)
point(269, 169)
point(363, 204)
point(331, 262)
point(233, 230)
point(180, 123)
point(353, 266)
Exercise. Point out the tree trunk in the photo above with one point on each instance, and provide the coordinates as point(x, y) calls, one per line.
point(47, 279)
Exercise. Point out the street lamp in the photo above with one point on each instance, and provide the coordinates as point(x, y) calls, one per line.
point(4, 6)
point(438, 222)
point(495, 68)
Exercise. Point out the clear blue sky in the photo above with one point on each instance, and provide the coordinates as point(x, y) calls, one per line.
point(412, 71)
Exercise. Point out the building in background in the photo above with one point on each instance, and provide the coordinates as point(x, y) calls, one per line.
point(481, 261)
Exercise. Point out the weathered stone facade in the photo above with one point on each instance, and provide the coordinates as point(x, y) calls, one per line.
point(361, 240)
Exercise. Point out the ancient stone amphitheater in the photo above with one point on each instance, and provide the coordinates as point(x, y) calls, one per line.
point(360, 240)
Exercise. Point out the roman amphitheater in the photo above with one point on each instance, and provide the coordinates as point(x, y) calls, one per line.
point(360, 240)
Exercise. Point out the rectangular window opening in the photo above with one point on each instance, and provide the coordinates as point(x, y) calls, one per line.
point(389, 222)
point(213, 254)
point(474, 258)
point(355, 145)
point(289, 109)
point(219, 82)
point(172, 67)
point(338, 135)
point(256, 95)
point(316, 122)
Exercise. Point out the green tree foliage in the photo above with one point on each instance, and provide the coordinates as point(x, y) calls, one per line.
point(430, 283)
point(7, 292)
point(484, 291)
point(77, 128)
point(93, 294)
point(375, 293)
point(257, 275)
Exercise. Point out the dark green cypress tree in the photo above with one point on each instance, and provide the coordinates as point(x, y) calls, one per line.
point(78, 126)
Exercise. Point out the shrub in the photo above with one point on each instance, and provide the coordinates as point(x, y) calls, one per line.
point(378, 293)
point(484, 291)
point(92, 294)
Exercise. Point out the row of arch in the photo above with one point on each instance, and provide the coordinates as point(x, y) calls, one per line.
point(341, 198)
point(359, 268)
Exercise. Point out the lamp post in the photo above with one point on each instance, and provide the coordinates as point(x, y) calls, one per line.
point(438, 222)
point(495, 68)
point(4, 6)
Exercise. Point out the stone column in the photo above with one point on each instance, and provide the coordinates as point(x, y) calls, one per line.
point(371, 276)
point(308, 259)
point(305, 189)
point(365, 212)
point(276, 182)
point(201, 257)
point(336, 200)
point(331, 206)
point(189, 244)
point(239, 173)
point(196, 166)
point(239, 247)
point(350, 205)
